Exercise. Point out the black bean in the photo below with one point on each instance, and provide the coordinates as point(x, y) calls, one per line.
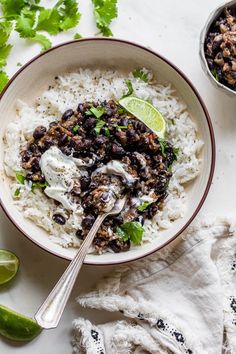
point(79, 234)
point(63, 140)
point(33, 148)
point(140, 219)
point(80, 108)
point(69, 113)
point(26, 156)
point(88, 221)
point(87, 143)
point(117, 150)
point(124, 121)
point(53, 124)
point(105, 196)
point(48, 143)
point(59, 219)
point(101, 140)
point(66, 150)
point(90, 123)
point(35, 165)
point(39, 132)
point(119, 245)
point(84, 183)
point(118, 220)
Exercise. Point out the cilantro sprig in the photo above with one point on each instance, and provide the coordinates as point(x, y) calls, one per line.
point(140, 74)
point(132, 230)
point(105, 11)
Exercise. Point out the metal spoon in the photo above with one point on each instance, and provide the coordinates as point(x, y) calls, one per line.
point(49, 314)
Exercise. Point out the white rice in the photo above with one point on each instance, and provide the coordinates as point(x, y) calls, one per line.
point(86, 85)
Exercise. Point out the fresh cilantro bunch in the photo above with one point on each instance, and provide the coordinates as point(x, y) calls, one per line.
point(27, 17)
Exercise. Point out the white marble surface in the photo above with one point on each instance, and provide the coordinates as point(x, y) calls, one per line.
point(171, 28)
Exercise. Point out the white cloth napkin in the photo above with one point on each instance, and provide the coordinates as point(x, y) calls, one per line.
point(182, 301)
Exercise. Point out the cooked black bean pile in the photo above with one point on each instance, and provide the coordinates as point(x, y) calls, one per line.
point(220, 48)
point(116, 135)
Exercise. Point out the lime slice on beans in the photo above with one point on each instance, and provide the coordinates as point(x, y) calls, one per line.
point(9, 264)
point(145, 112)
point(17, 327)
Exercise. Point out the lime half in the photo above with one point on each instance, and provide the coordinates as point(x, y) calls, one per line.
point(145, 112)
point(17, 327)
point(9, 264)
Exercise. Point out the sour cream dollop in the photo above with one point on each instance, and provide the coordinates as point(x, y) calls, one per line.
point(60, 172)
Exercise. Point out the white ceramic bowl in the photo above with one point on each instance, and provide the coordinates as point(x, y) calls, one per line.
point(35, 77)
point(212, 17)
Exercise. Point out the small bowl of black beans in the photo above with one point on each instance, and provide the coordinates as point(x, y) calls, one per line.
point(218, 47)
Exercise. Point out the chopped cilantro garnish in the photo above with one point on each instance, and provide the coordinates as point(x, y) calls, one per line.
point(88, 113)
point(104, 11)
point(120, 126)
point(163, 146)
point(107, 132)
point(132, 230)
point(176, 152)
point(17, 192)
point(215, 74)
point(97, 111)
point(5, 31)
point(20, 178)
point(38, 185)
point(130, 88)
point(121, 110)
point(140, 74)
point(3, 80)
point(100, 123)
point(144, 206)
point(77, 36)
point(76, 128)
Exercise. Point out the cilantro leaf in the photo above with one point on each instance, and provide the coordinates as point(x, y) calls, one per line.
point(4, 52)
point(20, 178)
point(63, 16)
point(215, 73)
point(176, 152)
point(38, 185)
point(69, 14)
point(122, 234)
point(12, 8)
point(100, 123)
point(43, 40)
point(97, 111)
point(49, 21)
point(77, 36)
point(163, 146)
point(5, 31)
point(3, 80)
point(144, 206)
point(107, 132)
point(104, 11)
point(130, 88)
point(17, 192)
point(76, 128)
point(25, 24)
point(133, 230)
point(140, 74)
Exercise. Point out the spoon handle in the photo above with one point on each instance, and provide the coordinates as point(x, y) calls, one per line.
point(50, 312)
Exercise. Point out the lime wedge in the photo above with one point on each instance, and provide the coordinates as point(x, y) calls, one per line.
point(145, 112)
point(9, 264)
point(17, 327)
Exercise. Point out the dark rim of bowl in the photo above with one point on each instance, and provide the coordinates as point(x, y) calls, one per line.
point(208, 122)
